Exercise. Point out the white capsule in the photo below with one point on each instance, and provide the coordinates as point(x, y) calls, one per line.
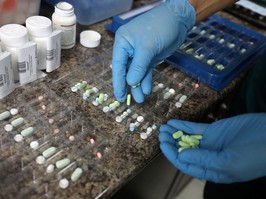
point(137, 124)
point(95, 90)
point(64, 183)
point(40, 159)
point(50, 168)
point(183, 98)
point(149, 130)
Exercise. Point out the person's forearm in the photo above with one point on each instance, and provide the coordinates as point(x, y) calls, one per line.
point(205, 8)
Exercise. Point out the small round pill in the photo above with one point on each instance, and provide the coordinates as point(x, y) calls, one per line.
point(221, 41)
point(51, 121)
point(40, 98)
point(178, 104)
point(92, 140)
point(143, 136)
point(8, 127)
point(161, 85)
point(95, 103)
point(34, 144)
point(18, 138)
point(172, 91)
point(140, 118)
point(118, 119)
point(40, 159)
point(149, 130)
point(63, 183)
point(71, 138)
point(56, 131)
point(43, 107)
point(105, 109)
point(74, 89)
point(14, 111)
point(50, 168)
point(99, 155)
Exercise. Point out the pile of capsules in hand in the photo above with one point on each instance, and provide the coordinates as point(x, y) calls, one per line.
point(187, 141)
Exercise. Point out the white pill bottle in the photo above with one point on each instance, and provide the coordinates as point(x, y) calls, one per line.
point(14, 36)
point(65, 20)
point(40, 28)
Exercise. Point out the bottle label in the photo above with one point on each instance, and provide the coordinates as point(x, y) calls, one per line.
point(6, 75)
point(68, 38)
point(27, 63)
point(53, 51)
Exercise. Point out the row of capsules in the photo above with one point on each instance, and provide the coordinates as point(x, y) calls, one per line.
point(128, 113)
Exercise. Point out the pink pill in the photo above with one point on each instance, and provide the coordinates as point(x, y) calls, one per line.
point(43, 107)
point(196, 86)
point(180, 84)
point(51, 121)
point(99, 155)
point(92, 141)
point(40, 98)
point(71, 138)
point(56, 131)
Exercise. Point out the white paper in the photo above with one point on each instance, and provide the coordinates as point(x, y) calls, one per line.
point(253, 7)
point(53, 52)
point(27, 63)
point(6, 75)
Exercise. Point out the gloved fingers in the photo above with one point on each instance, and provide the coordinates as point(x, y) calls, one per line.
point(140, 63)
point(146, 83)
point(188, 127)
point(203, 173)
point(119, 68)
point(203, 158)
point(137, 94)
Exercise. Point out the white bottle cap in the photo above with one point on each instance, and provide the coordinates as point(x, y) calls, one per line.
point(39, 26)
point(64, 8)
point(13, 35)
point(90, 38)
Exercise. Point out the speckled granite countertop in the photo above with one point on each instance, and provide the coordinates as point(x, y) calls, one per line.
point(62, 113)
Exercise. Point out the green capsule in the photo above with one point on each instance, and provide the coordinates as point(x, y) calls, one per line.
point(178, 134)
point(138, 84)
point(76, 174)
point(26, 132)
point(128, 99)
point(17, 122)
point(101, 98)
point(4, 115)
point(198, 137)
point(210, 61)
point(183, 144)
point(49, 152)
point(193, 140)
point(62, 163)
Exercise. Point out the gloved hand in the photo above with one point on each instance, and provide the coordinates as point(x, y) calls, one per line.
point(145, 41)
point(232, 150)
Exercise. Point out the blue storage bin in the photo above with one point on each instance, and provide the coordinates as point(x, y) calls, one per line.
point(92, 11)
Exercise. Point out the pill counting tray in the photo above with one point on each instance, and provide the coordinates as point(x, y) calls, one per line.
point(215, 51)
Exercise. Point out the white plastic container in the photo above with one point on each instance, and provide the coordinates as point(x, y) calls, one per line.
point(40, 28)
point(13, 36)
point(92, 11)
point(15, 40)
point(64, 19)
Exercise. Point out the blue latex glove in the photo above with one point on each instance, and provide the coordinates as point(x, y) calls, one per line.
point(232, 150)
point(145, 41)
